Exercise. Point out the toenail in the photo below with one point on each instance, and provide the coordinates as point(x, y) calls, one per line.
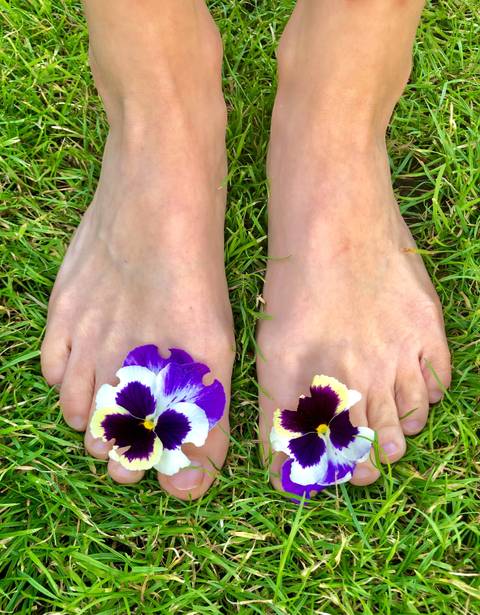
point(412, 426)
point(77, 422)
point(188, 479)
point(363, 473)
point(436, 396)
point(390, 448)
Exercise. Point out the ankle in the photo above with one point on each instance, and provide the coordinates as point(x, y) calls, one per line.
point(161, 79)
point(338, 66)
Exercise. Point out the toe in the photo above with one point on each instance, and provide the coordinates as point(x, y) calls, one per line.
point(436, 368)
point(383, 419)
point(412, 401)
point(192, 482)
point(123, 476)
point(76, 393)
point(96, 447)
point(54, 356)
point(365, 473)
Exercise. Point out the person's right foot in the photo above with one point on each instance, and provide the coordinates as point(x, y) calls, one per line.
point(146, 264)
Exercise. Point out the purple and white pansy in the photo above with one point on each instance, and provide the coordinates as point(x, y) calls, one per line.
point(158, 405)
point(322, 445)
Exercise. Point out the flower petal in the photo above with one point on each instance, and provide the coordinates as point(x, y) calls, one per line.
point(145, 356)
point(308, 449)
point(172, 428)
point(286, 424)
point(172, 461)
point(97, 428)
point(105, 397)
point(358, 449)
point(327, 387)
point(309, 475)
point(290, 487)
point(142, 447)
point(342, 432)
point(137, 398)
point(148, 356)
point(338, 470)
point(179, 356)
point(143, 454)
point(197, 418)
point(353, 398)
point(136, 374)
point(179, 383)
point(280, 441)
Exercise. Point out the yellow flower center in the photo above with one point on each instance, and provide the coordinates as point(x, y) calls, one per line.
point(148, 424)
point(321, 429)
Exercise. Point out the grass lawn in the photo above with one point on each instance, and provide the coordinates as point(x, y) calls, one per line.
point(72, 541)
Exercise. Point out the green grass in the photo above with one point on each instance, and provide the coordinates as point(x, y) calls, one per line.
point(71, 541)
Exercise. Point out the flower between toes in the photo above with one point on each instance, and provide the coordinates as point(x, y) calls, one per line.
point(322, 444)
point(158, 405)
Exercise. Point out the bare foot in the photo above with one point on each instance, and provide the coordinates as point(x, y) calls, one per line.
point(346, 292)
point(146, 264)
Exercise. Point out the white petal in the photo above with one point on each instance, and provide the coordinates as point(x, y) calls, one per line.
point(105, 397)
point(172, 461)
point(353, 397)
point(359, 449)
point(311, 474)
point(198, 422)
point(135, 373)
point(279, 442)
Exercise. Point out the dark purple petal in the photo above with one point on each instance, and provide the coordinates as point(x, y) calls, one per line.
point(290, 487)
point(342, 432)
point(129, 431)
point(137, 398)
point(145, 356)
point(307, 449)
point(183, 383)
point(172, 428)
point(312, 411)
point(292, 421)
point(326, 401)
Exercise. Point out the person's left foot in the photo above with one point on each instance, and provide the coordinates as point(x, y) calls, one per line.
point(346, 293)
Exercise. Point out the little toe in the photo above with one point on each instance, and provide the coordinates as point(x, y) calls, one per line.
point(76, 393)
point(383, 419)
point(435, 364)
point(122, 475)
point(412, 401)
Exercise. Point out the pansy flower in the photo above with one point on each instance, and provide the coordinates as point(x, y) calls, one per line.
point(158, 405)
point(322, 445)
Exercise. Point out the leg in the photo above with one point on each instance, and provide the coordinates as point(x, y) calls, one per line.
point(146, 264)
point(351, 300)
